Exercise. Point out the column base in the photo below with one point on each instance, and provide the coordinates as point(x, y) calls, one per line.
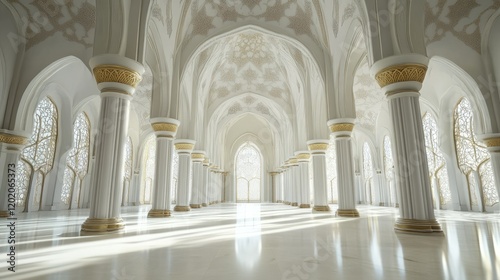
point(4, 214)
point(100, 226)
point(347, 213)
point(295, 204)
point(323, 208)
point(204, 204)
point(381, 204)
point(418, 226)
point(287, 203)
point(158, 213)
point(195, 205)
point(305, 206)
point(179, 208)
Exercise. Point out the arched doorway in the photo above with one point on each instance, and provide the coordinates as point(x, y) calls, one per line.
point(248, 173)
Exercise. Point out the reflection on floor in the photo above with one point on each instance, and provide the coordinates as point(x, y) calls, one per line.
point(253, 241)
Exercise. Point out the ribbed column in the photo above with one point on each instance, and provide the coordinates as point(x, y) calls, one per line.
point(318, 156)
point(286, 184)
point(401, 78)
point(342, 130)
point(294, 180)
point(274, 185)
point(303, 158)
point(117, 78)
point(184, 147)
point(11, 145)
point(492, 142)
point(204, 192)
point(279, 186)
point(165, 130)
point(197, 186)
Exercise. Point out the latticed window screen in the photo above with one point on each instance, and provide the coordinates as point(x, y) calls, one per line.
point(37, 158)
point(148, 169)
point(77, 161)
point(473, 158)
point(248, 173)
point(331, 172)
point(438, 173)
point(389, 170)
point(368, 173)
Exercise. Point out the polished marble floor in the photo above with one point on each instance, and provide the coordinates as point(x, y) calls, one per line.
point(253, 241)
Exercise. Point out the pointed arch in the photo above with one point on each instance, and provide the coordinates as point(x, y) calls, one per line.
point(248, 173)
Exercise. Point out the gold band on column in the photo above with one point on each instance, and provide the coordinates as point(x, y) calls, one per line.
point(158, 213)
point(4, 214)
point(294, 204)
point(116, 74)
point(324, 208)
point(401, 73)
point(347, 213)
point(180, 208)
point(305, 206)
point(417, 226)
point(163, 126)
point(204, 204)
point(341, 127)
point(492, 142)
point(195, 205)
point(95, 225)
point(13, 139)
point(318, 146)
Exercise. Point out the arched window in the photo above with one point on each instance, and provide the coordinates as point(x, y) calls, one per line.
point(175, 180)
point(438, 173)
point(148, 169)
point(389, 171)
point(331, 172)
point(248, 174)
point(473, 159)
point(77, 162)
point(37, 158)
point(368, 173)
point(127, 170)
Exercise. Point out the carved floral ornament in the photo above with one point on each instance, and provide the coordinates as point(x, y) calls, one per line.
point(318, 147)
point(401, 73)
point(341, 127)
point(164, 127)
point(184, 146)
point(116, 74)
point(303, 156)
point(492, 142)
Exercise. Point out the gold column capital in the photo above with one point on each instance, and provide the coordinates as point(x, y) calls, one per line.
point(109, 73)
point(13, 139)
point(411, 72)
point(492, 142)
point(342, 127)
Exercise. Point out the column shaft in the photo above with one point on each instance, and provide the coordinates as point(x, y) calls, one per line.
point(304, 184)
point(162, 184)
point(345, 178)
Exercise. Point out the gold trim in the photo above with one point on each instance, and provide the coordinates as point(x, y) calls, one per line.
point(164, 127)
point(341, 127)
point(4, 214)
point(195, 205)
point(94, 225)
point(295, 204)
point(179, 208)
point(303, 156)
point(197, 156)
point(324, 208)
point(13, 139)
point(287, 202)
point(116, 74)
point(417, 226)
point(158, 213)
point(184, 146)
point(401, 73)
point(305, 206)
point(492, 142)
point(318, 147)
point(204, 204)
point(347, 213)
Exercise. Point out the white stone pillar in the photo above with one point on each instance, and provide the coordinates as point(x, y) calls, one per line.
point(346, 186)
point(197, 186)
point(279, 186)
point(318, 156)
point(184, 147)
point(117, 78)
point(294, 182)
point(286, 184)
point(303, 158)
point(11, 146)
point(165, 130)
point(401, 78)
point(492, 142)
point(204, 194)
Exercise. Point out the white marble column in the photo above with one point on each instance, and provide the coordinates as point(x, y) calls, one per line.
point(401, 78)
point(197, 185)
point(204, 194)
point(286, 184)
point(279, 186)
point(318, 156)
point(342, 130)
point(303, 158)
point(492, 142)
point(117, 78)
point(11, 146)
point(165, 130)
point(294, 182)
point(274, 186)
point(184, 147)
